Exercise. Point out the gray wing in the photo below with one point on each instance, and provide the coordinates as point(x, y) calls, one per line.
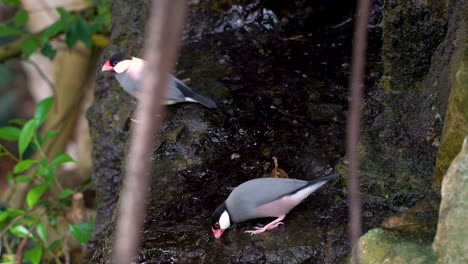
point(245, 198)
point(180, 92)
point(176, 89)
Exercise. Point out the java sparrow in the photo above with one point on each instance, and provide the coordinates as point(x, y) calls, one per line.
point(263, 197)
point(128, 71)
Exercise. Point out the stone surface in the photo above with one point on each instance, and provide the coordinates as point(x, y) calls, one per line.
point(408, 45)
point(379, 246)
point(280, 84)
point(456, 118)
point(421, 218)
point(403, 120)
point(451, 241)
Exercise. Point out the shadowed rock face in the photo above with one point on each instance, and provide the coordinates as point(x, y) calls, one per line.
point(280, 84)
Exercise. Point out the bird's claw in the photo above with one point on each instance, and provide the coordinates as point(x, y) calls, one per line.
point(275, 225)
point(260, 229)
point(255, 232)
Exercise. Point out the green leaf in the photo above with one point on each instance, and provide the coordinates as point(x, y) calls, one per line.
point(35, 194)
point(12, 2)
point(42, 231)
point(4, 215)
point(23, 178)
point(15, 212)
point(21, 17)
point(10, 178)
point(81, 232)
point(42, 109)
point(21, 231)
point(55, 246)
point(7, 30)
point(34, 254)
point(23, 165)
point(8, 258)
point(52, 30)
point(61, 158)
point(26, 135)
point(71, 35)
point(29, 46)
point(84, 32)
point(64, 14)
point(9, 133)
point(48, 51)
point(86, 182)
point(17, 121)
point(49, 135)
point(66, 193)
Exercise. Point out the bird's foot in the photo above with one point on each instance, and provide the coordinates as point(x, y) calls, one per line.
point(256, 232)
point(261, 229)
point(269, 227)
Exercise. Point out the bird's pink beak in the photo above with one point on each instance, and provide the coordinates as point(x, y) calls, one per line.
point(217, 233)
point(107, 66)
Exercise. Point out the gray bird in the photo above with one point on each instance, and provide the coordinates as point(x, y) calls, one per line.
point(263, 197)
point(128, 72)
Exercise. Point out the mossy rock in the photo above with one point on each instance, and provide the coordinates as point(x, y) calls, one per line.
point(456, 118)
point(379, 246)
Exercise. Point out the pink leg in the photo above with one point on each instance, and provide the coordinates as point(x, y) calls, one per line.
point(274, 224)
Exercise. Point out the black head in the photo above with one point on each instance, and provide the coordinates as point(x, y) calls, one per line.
point(118, 57)
point(220, 221)
point(217, 215)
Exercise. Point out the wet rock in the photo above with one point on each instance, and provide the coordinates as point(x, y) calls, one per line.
point(379, 246)
point(281, 92)
point(451, 241)
point(412, 31)
point(404, 118)
point(421, 218)
point(456, 118)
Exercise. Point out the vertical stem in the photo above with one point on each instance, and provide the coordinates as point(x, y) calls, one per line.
point(356, 84)
point(165, 27)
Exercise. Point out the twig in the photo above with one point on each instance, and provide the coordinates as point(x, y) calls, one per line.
point(7, 245)
point(6, 151)
point(42, 74)
point(20, 251)
point(356, 84)
point(164, 32)
point(22, 246)
point(65, 248)
point(16, 219)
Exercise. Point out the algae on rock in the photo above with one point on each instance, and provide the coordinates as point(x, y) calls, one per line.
point(379, 246)
point(456, 118)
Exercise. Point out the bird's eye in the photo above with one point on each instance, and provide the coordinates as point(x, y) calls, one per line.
point(217, 225)
point(113, 63)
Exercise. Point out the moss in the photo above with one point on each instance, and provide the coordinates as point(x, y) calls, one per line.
point(381, 246)
point(412, 31)
point(456, 118)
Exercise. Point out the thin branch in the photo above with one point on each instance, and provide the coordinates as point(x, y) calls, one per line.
point(356, 84)
point(16, 219)
point(42, 74)
point(8, 153)
point(7, 245)
point(65, 248)
point(20, 251)
point(165, 27)
point(22, 246)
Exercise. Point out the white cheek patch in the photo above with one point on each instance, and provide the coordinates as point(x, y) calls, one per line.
point(224, 222)
point(122, 66)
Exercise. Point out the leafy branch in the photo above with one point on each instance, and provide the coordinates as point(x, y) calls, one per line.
point(21, 225)
point(74, 26)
